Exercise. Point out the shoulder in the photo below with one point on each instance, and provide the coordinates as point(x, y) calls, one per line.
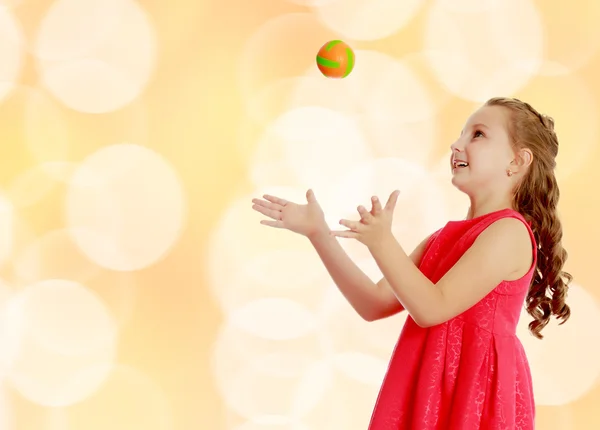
point(508, 226)
point(508, 239)
point(508, 230)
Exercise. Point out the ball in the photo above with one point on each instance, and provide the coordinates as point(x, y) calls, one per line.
point(335, 59)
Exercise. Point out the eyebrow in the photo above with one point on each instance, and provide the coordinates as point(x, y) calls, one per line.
point(478, 125)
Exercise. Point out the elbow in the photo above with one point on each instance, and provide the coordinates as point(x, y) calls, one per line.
point(370, 317)
point(380, 314)
point(427, 321)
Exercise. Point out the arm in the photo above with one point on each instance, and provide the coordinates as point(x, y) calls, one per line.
point(503, 251)
point(371, 301)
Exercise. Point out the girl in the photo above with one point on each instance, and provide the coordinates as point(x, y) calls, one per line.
point(458, 363)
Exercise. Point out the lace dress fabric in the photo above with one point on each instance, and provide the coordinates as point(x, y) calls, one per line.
point(470, 372)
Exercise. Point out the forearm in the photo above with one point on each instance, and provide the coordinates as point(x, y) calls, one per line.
point(417, 294)
point(361, 292)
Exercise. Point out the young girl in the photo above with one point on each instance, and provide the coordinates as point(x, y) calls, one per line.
point(458, 363)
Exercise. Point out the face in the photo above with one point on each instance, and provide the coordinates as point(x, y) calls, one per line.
point(483, 153)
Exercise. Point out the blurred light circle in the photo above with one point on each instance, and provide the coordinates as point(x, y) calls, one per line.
point(125, 207)
point(242, 362)
point(128, 399)
point(54, 352)
point(44, 126)
point(274, 319)
point(249, 261)
point(342, 331)
point(482, 60)
point(390, 100)
point(575, 345)
point(9, 337)
point(367, 19)
point(420, 209)
point(467, 6)
point(577, 130)
point(362, 367)
point(313, 145)
point(274, 51)
point(32, 185)
point(572, 36)
point(11, 41)
point(53, 255)
point(105, 69)
point(10, 4)
point(271, 422)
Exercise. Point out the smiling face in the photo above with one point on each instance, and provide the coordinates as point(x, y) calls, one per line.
point(483, 153)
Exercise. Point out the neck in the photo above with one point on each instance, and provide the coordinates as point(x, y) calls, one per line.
point(481, 207)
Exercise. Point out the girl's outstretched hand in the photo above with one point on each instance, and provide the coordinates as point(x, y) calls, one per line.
point(306, 219)
point(374, 225)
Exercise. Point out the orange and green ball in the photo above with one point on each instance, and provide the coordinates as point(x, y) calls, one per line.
point(335, 59)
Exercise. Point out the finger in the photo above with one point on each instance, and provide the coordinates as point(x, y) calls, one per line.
point(275, 200)
point(375, 205)
point(310, 196)
point(271, 213)
point(391, 203)
point(365, 215)
point(266, 204)
point(344, 233)
point(352, 225)
point(276, 224)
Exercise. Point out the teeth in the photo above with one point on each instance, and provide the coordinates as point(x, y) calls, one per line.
point(461, 164)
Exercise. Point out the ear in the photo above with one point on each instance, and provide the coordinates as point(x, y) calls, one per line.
point(523, 158)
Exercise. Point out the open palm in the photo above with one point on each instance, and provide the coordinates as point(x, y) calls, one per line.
point(305, 219)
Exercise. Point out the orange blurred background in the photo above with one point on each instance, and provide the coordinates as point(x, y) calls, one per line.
point(137, 289)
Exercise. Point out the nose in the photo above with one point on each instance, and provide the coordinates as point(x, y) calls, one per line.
point(457, 146)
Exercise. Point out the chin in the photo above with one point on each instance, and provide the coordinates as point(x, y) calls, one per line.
point(460, 184)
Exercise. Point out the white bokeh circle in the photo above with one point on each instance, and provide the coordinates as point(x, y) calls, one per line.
point(271, 422)
point(308, 147)
point(249, 261)
point(125, 207)
point(420, 210)
point(109, 66)
point(367, 19)
point(241, 362)
point(128, 399)
point(274, 319)
point(63, 330)
point(482, 60)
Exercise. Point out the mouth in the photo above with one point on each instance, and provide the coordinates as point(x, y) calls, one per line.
point(459, 164)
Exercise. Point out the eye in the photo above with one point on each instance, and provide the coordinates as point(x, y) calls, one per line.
point(478, 133)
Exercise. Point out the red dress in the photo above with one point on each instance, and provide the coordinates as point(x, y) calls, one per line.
point(471, 371)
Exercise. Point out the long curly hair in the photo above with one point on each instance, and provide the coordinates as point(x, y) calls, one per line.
point(536, 198)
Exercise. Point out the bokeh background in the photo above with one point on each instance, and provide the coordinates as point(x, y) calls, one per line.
point(137, 288)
